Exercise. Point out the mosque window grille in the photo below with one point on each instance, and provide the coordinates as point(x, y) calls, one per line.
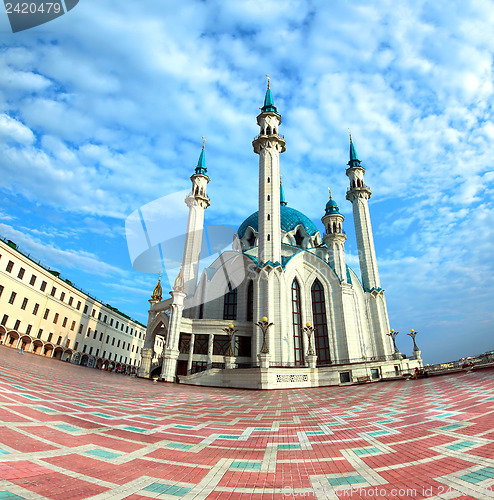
point(321, 339)
point(230, 303)
point(297, 324)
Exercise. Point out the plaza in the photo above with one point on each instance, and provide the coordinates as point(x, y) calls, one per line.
point(69, 432)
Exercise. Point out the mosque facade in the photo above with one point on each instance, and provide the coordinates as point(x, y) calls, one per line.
point(282, 308)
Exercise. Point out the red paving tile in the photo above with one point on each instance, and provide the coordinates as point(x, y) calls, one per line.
point(105, 427)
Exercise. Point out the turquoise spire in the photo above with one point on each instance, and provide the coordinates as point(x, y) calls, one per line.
point(201, 164)
point(354, 161)
point(269, 106)
point(331, 205)
point(283, 203)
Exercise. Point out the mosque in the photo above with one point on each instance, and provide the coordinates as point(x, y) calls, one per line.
point(281, 308)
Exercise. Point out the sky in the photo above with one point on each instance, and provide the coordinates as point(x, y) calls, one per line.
point(102, 111)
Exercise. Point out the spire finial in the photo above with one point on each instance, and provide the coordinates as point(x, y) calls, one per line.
point(203, 142)
point(157, 292)
point(350, 135)
point(330, 196)
point(267, 76)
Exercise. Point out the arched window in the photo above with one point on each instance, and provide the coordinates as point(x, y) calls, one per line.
point(268, 130)
point(298, 238)
point(321, 340)
point(334, 227)
point(251, 240)
point(250, 301)
point(269, 217)
point(269, 197)
point(269, 237)
point(298, 344)
point(230, 304)
point(269, 180)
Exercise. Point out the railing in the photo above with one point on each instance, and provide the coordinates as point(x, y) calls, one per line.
point(265, 135)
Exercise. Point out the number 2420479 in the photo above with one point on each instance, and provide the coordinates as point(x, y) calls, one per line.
point(33, 8)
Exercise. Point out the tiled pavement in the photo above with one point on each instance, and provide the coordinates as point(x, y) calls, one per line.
point(73, 432)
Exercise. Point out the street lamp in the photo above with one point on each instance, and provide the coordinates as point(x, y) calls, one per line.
point(413, 334)
point(309, 330)
point(393, 335)
point(231, 334)
point(264, 325)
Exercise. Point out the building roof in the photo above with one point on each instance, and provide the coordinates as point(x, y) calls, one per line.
point(290, 219)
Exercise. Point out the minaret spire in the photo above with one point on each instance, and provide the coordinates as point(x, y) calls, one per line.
point(359, 195)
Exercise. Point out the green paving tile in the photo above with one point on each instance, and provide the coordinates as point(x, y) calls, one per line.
point(66, 427)
point(103, 415)
point(148, 416)
point(346, 480)
point(184, 426)
point(135, 429)
point(228, 436)
point(3, 452)
point(378, 433)
point(179, 446)
point(367, 451)
point(245, 465)
point(451, 427)
point(177, 491)
point(81, 404)
point(18, 387)
point(315, 433)
point(262, 428)
point(385, 421)
point(288, 446)
point(29, 396)
point(103, 453)
point(459, 446)
point(6, 495)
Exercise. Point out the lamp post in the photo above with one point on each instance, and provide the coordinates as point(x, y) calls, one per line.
point(416, 350)
point(311, 355)
point(264, 325)
point(393, 335)
point(230, 331)
point(263, 356)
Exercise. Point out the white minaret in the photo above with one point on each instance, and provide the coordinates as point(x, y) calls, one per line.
point(197, 201)
point(335, 238)
point(358, 194)
point(268, 145)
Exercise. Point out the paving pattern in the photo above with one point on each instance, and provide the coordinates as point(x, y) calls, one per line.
point(69, 432)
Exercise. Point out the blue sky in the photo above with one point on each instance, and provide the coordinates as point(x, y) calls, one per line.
point(103, 110)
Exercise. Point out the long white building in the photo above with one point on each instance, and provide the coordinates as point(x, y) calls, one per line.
point(44, 314)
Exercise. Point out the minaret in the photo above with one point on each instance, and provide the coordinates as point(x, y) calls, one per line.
point(268, 145)
point(335, 238)
point(358, 194)
point(197, 201)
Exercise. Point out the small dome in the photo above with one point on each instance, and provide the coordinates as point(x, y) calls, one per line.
point(290, 219)
point(332, 207)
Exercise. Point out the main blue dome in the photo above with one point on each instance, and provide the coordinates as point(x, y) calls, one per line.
point(290, 219)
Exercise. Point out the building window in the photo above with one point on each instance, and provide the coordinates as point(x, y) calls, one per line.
point(93, 312)
point(107, 339)
point(113, 341)
point(50, 335)
point(71, 300)
point(78, 305)
point(76, 345)
point(99, 316)
point(84, 348)
point(118, 343)
point(1, 289)
point(201, 310)
point(62, 296)
point(9, 267)
point(53, 291)
point(72, 326)
point(250, 301)
point(24, 304)
point(220, 345)
point(21, 272)
point(40, 332)
point(88, 331)
point(298, 341)
point(97, 352)
point(35, 310)
point(17, 325)
point(230, 304)
point(104, 354)
point(116, 325)
point(81, 326)
point(67, 343)
point(28, 329)
point(59, 340)
point(201, 343)
point(90, 350)
point(137, 349)
point(12, 297)
point(55, 319)
point(121, 327)
point(101, 336)
point(111, 322)
point(43, 286)
point(106, 317)
point(64, 324)
point(345, 377)
point(95, 333)
point(86, 308)
point(127, 330)
point(33, 280)
point(320, 323)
